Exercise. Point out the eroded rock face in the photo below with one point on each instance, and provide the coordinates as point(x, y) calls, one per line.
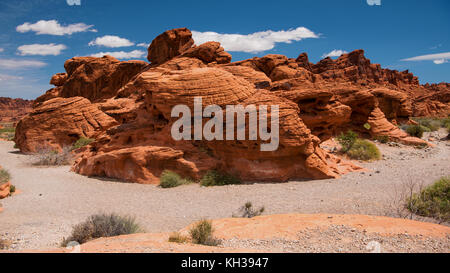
point(12, 110)
point(60, 122)
point(127, 109)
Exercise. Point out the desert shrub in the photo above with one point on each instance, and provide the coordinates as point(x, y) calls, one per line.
point(12, 189)
point(445, 123)
point(4, 176)
point(48, 157)
point(382, 139)
point(202, 233)
point(216, 178)
point(82, 142)
point(430, 123)
point(367, 126)
point(247, 211)
point(171, 179)
point(347, 140)
point(364, 150)
point(432, 201)
point(178, 238)
point(415, 130)
point(7, 130)
point(5, 244)
point(102, 225)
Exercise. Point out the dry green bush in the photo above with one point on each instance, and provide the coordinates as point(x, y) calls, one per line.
point(102, 225)
point(248, 211)
point(49, 157)
point(202, 233)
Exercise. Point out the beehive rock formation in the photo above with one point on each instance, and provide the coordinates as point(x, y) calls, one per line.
point(126, 107)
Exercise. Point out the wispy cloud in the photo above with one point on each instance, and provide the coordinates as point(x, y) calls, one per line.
point(52, 27)
point(5, 77)
point(20, 64)
point(334, 53)
point(142, 45)
point(1, 49)
point(41, 49)
point(135, 54)
point(254, 42)
point(111, 41)
point(438, 58)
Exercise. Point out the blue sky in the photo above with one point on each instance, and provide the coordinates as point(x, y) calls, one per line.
point(37, 36)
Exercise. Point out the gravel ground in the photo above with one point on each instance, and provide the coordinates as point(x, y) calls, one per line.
point(342, 239)
point(53, 199)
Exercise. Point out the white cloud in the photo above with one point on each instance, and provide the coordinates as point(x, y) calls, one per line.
point(20, 64)
point(5, 77)
point(438, 58)
point(143, 45)
point(52, 27)
point(334, 53)
point(41, 49)
point(135, 54)
point(1, 49)
point(111, 41)
point(440, 61)
point(254, 42)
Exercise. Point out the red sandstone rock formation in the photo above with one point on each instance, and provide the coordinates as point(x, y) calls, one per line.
point(12, 110)
point(60, 122)
point(127, 109)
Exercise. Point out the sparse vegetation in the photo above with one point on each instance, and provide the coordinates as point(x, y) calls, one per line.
point(82, 142)
point(430, 124)
point(5, 244)
point(8, 131)
point(382, 139)
point(49, 157)
point(171, 179)
point(4, 176)
point(176, 237)
point(415, 130)
point(102, 225)
point(12, 189)
point(202, 233)
point(356, 148)
point(347, 140)
point(432, 201)
point(247, 211)
point(364, 150)
point(216, 178)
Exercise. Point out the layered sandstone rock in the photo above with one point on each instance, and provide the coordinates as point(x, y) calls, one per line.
point(127, 108)
point(12, 110)
point(60, 122)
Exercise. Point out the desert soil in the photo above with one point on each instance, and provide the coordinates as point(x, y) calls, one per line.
point(54, 199)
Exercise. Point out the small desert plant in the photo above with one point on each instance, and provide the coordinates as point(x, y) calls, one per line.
point(48, 157)
point(4, 176)
point(176, 237)
point(5, 244)
point(216, 178)
point(12, 189)
point(82, 142)
point(347, 140)
point(202, 233)
point(171, 179)
point(432, 201)
point(382, 139)
point(367, 126)
point(102, 225)
point(247, 211)
point(415, 130)
point(364, 150)
point(429, 123)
